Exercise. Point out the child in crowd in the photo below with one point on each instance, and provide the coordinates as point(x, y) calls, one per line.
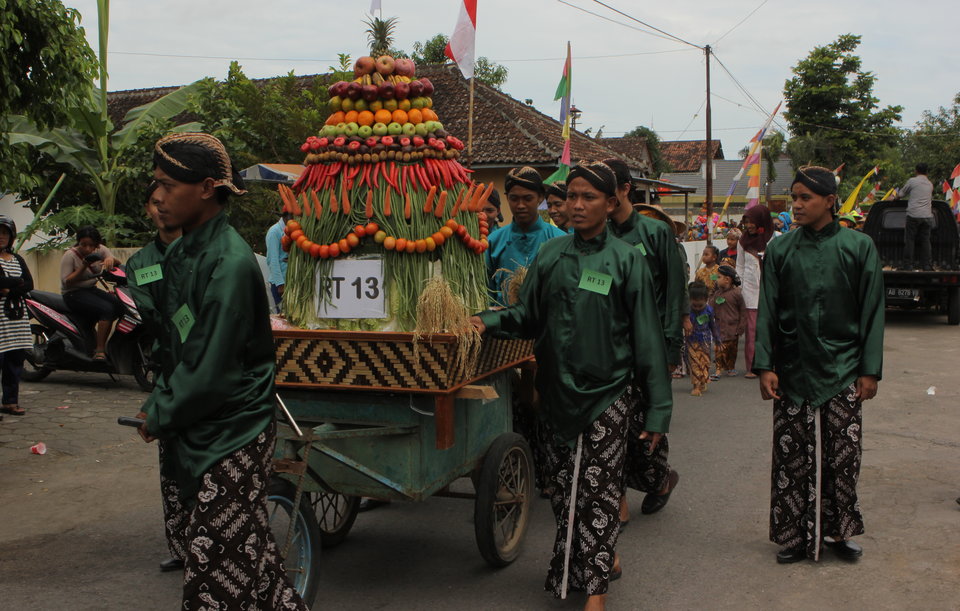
point(728, 256)
point(731, 316)
point(708, 273)
point(701, 337)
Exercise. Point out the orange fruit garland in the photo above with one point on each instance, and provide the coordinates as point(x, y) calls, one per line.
point(399, 116)
point(383, 116)
point(415, 116)
point(365, 118)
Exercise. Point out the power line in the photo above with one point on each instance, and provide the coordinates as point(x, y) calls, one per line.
point(581, 57)
point(605, 18)
point(632, 18)
point(693, 118)
point(739, 23)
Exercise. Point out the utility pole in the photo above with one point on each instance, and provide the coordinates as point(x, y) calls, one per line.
point(708, 168)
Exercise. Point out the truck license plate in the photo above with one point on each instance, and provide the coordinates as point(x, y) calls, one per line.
point(903, 293)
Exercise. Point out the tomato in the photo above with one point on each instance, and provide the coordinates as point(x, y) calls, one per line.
point(452, 224)
point(446, 231)
point(401, 244)
point(334, 250)
point(360, 231)
point(324, 252)
point(295, 235)
point(379, 236)
point(292, 225)
point(411, 246)
point(421, 245)
point(461, 231)
point(353, 240)
point(344, 246)
point(389, 242)
point(315, 250)
point(438, 238)
point(371, 228)
point(431, 244)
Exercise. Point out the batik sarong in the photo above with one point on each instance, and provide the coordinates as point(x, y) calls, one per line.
point(232, 558)
point(816, 463)
point(176, 517)
point(644, 470)
point(598, 479)
point(726, 355)
point(698, 353)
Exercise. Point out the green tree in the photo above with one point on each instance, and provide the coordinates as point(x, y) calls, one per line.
point(935, 141)
point(831, 106)
point(660, 164)
point(431, 51)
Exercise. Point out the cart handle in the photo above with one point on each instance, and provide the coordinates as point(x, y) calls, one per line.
point(289, 416)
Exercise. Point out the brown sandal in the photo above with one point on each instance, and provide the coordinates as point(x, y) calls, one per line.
point(13, 410)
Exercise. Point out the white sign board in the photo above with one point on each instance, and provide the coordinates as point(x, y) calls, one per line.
point(354, 289)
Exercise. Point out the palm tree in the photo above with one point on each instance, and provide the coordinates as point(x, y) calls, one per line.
point(380, 34)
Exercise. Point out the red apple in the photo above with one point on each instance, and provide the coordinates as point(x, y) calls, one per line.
point(338, 89)
point(369, 92)
point(353, 91)
point(364, 65)
point(402, 90)
point(404, 67)
point(385, 65)
point(416, 89)
point(427, 86)
point(387, 91)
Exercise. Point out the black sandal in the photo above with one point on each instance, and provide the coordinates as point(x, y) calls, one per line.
point(13, 410)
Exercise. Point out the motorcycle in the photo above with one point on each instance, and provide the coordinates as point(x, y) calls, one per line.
point(64, 341)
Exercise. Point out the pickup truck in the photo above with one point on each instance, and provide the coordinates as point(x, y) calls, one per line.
point(938, 289)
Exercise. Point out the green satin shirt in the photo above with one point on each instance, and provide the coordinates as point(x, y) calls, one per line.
point(655, 241)
point(590, 346)
point(214, 393)
point(820, 316)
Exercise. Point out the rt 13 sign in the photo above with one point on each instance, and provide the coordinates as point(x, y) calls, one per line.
point(354, 289)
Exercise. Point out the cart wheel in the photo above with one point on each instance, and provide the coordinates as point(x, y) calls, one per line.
point(302, 560)
point(144, 368)
point(335, 516)
point(502, 507)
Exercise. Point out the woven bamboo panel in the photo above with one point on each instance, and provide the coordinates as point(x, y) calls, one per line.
point(384, 360)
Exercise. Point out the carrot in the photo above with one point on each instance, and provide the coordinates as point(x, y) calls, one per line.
point(438, 211)
point(428, 207)
point(486, 196)
point(464, 194)
point(306, 204)
point(368, 211)
point(317, 206)
point(386, 201)
point(344, 198)
point(406, 207)
point(334, 206)
point(294, 206)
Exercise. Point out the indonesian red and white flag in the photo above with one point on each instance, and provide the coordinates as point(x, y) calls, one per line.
point(460, 49)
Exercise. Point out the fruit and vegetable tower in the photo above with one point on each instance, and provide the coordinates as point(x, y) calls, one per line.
point(383, 206)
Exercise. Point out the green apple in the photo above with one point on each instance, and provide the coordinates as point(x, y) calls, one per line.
point(341, 128)
point(432, 126)
point(421, 129)
point(428, 102)
point(394, 129)
point(328, 131)
point(334, 104)
point(417, 102)
point(380, 129)
point(409, 129)
point(352, 129)
point(365, 131)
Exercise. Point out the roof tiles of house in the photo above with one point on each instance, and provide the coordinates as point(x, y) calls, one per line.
point(726, 170)
point(632, 147)
point(687, 155)
point(506, 132)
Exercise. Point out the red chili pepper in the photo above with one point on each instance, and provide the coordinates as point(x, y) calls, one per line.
point(366, 175)
point(376, 175)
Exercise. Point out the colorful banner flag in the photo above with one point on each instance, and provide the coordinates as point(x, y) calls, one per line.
point(751, 166)
point(851, 200)
point(375, 6)
point(460, 49)
point(563, 94)
point(891, 194)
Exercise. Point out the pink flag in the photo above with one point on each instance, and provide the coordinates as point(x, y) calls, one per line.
point(460, 49)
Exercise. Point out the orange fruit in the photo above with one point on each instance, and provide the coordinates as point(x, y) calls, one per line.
point(365, 118)
point(335, 118)
point(400, 116)
point(351, 117)
point(401, 245)
point(415, 116)
point(383, 116)
point(412, 246)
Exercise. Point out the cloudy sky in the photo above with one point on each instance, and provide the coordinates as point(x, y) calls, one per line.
point(622, 77)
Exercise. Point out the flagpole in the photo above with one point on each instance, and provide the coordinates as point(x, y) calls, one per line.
point(470, 127)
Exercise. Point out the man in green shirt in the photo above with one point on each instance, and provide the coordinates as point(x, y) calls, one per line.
point(648, 470)
point(819, 354)
point(588, 301)
point(213, 404)
point(138, 269)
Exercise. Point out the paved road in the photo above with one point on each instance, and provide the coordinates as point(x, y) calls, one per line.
point(81, 524)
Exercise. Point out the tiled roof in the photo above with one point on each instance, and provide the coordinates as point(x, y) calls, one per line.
point(687, 155)
point(632, 147)
point(506, 132)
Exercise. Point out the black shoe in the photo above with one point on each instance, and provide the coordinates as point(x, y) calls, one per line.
point(652, 503)
point(848, 550)
point(171, 564)
point(790, 555)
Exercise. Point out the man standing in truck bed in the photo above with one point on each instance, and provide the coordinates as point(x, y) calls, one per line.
point(919, 194)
